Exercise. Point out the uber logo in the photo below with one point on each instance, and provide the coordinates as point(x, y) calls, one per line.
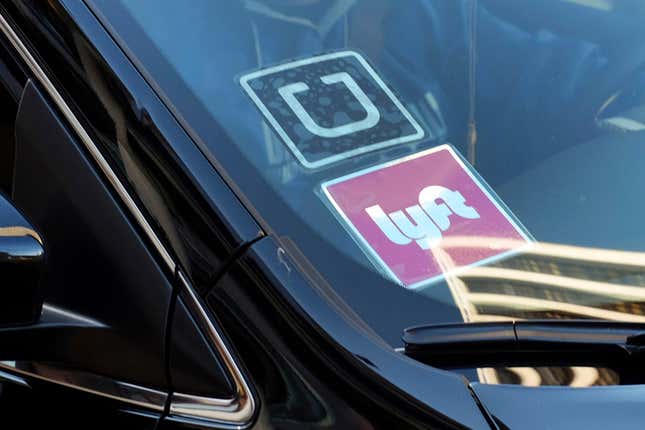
point(331, 107)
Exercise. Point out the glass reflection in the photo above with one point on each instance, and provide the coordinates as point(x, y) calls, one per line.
point(574, 376)
point(549, 281)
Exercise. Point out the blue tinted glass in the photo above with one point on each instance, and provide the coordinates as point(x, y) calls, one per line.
point(329, 116)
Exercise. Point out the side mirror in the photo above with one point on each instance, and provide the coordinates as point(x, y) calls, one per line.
point(21, 263)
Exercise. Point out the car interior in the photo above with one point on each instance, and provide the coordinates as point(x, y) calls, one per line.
point(587, 193)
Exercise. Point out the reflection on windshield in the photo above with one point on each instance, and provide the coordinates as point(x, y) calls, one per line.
point(574, 376)
point(555, 282)
point(555, 106)
point(603, 5)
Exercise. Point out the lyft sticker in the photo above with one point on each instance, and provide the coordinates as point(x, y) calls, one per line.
point(330, 107)
point(424, 216)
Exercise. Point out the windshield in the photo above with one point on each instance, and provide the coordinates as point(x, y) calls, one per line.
point(433, 160)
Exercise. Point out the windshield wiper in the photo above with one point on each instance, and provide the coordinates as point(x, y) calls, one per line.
point(528, 343)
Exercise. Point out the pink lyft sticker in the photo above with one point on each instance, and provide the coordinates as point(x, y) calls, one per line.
point(423, 216)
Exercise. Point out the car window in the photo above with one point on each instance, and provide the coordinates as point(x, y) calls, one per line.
point(433, 160)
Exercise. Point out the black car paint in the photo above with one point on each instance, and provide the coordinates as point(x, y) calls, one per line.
point(537, 408)
point(45, 406)
point(270, 303)
point(344, 367)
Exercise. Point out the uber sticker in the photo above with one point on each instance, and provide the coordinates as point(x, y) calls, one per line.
point(330, 107)
point(423, 216)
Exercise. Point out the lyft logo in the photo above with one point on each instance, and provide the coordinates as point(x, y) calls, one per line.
point(424, 222)
point(420, 217)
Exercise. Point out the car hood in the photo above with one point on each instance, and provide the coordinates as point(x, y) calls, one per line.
point(513, 407)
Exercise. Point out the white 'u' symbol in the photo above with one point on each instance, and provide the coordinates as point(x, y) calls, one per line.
point(371, 119)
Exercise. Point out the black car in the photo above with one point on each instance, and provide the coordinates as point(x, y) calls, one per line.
point(348, 214)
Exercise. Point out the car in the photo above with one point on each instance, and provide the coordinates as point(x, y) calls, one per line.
point(348, 214)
